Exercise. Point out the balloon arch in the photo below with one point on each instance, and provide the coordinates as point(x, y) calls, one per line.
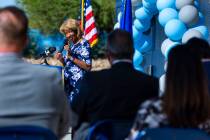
point(181, 20)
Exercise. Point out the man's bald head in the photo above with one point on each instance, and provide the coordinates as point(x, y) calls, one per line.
point(13, 26)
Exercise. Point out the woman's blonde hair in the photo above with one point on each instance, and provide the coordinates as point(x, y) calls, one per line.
point(71, 24)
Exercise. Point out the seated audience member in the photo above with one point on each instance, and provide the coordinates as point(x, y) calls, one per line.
point(117, 92)
point(30, 94)
point(186, 102)
point(201, 48)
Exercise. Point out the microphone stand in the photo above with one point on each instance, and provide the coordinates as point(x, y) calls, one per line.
point(45, 60)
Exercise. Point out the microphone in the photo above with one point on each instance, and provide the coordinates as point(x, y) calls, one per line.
point(48, 51)
point(65, 42)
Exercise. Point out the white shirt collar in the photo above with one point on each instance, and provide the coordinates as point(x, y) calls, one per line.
point(205, 60)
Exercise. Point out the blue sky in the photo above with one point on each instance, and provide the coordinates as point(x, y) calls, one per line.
point(4, 3)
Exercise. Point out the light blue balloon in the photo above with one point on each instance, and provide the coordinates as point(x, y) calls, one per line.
point(146, 46)
point(201, 18)
point(203, 30)
point(147, 5)
point(197, 4)
point(151, 1)
point(139, 68)
point(136, 33)
point(174, 29)
point(138, 42)
point(142, 26)
point(142, 15)
point(167, 14)
point(162, 4)
point(150, 7)
point(137, 58)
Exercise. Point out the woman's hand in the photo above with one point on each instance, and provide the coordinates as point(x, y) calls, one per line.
point(66, 47)
point(58, 56)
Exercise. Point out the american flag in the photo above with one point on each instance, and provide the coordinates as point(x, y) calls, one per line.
point(90, 31)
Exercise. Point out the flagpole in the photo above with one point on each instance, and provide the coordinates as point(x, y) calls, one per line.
point(82, 14)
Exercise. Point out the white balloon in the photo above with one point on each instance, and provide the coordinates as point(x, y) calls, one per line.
point(165, 66)
point(119, 16)
point(117, 25)
point(167, 44)
point(189, 15)
point(142, 15)
point(134, 1)
point(166, 15)
point(142, 26)
point(190, 34)
point(182, 3)
point(162, 4)
point(203, 30)
point(162, 84)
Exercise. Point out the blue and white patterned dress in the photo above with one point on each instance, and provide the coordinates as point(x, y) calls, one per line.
point(151, 115)
point(72, 72)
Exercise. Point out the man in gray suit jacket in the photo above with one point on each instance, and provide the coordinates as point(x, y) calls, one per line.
point(29, 94)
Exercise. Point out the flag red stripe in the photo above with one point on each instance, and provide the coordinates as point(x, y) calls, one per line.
point(94, 37)
point(89, 16)
point(88, 29)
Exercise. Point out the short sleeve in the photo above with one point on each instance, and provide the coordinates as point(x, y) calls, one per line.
point(85, 53)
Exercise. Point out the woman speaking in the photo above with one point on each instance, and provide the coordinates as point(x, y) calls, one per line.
point(77, 59)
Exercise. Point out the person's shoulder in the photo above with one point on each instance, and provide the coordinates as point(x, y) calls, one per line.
point(96, 75)
point(42, 70)
point(145, 76)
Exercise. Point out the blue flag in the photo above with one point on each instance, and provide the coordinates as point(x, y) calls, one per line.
point(126, 19)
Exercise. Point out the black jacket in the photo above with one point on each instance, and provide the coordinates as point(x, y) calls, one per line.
point(114, 93)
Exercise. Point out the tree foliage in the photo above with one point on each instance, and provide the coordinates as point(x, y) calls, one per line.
point(104, 13)
point(47, 15)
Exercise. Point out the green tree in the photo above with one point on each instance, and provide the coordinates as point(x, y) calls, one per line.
point(48, 15)
point(104, 13)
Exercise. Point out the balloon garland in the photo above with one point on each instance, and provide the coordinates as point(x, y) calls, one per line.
point(181, 20)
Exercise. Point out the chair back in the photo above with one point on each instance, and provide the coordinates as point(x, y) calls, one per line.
point(26, 133)
point(172, 134)
point(109, 130)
